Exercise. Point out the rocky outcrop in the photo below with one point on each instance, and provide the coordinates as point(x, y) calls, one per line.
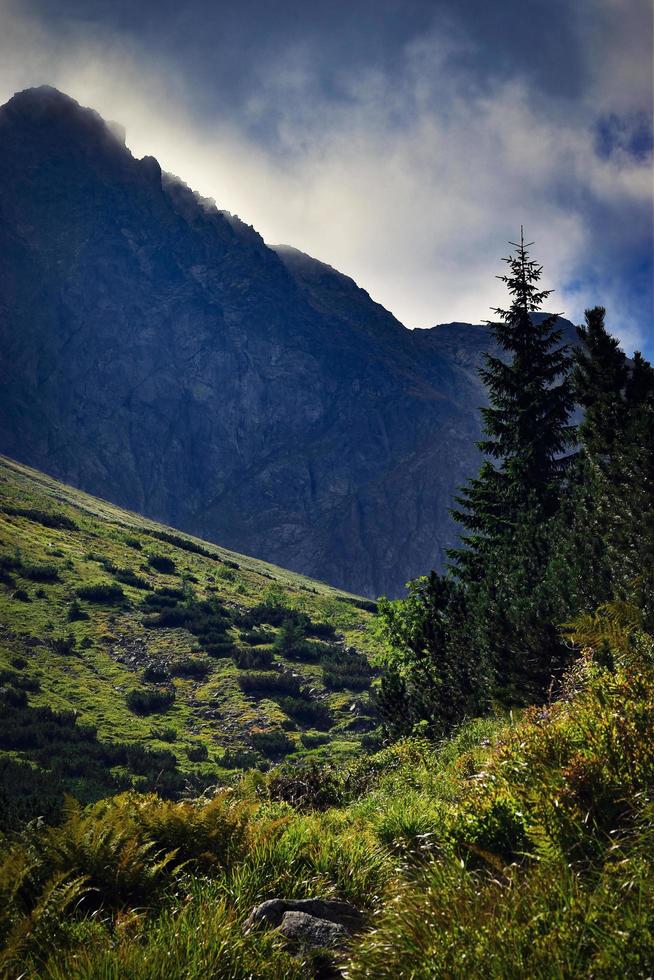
point(273, 912)
point(155, 352)
point(307, 930)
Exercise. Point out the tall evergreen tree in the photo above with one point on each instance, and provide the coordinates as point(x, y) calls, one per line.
point(600, 378)
point(526, 423)
point(507, 509)
point(617, 459)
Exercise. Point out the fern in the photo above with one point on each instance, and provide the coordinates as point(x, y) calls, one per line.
point(38, 934)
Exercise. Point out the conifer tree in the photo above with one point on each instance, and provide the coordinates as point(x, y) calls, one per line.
point(506, 511)
point(600, 378)
point(617, 459)
point(526, 423)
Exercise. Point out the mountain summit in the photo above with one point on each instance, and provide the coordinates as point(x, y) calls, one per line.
point(158, 354)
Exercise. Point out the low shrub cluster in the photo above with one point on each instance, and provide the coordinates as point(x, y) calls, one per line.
point(162, 563)
point(46, 518)
point(349, 669)
point(270, 683)
point(149, 700)
point(39, 572)
point(104, 593)
point(256, 659)
point(208, 620)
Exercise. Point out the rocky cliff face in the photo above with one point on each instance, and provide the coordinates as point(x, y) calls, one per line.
point(157, 353)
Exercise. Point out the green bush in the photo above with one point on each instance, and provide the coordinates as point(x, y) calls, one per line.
point(307, 787)
point(63, 645)
point(129, 577)
point(197, 753)
point(148, 701)
point(40, 573)
point(346, 670)
point(75, 612)
point(197, 667)
point(264, 682)
point(162, 563)
point(272, 743)
point(307, 711)
point(102, 592)
point(156, 673)
point(46, 518)
point(253, 659)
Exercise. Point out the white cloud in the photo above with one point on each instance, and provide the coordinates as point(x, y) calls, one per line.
point(410, 183)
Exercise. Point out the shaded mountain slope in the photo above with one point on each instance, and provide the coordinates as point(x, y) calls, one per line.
point(156, 352)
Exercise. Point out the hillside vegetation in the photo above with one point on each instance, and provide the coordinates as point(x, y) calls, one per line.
point(133, 656)
point(520, 848)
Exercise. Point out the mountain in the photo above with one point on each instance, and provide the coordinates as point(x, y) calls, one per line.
point(132, 655)
point(158, 354)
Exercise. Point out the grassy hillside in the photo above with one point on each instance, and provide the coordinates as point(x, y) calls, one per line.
point(133, 655)
point(520, 848)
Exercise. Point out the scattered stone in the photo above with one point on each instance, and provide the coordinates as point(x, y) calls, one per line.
point(307, 930)
point(271, 913)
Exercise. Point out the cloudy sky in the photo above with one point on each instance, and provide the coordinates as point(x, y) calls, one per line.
point(402, 141)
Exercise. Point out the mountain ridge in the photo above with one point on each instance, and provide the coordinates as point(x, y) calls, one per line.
point(159, 354)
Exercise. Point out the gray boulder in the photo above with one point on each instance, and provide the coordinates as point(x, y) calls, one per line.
point(271, 914)
point(307, 930)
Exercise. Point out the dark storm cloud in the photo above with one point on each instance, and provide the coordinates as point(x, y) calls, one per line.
point(402, 142)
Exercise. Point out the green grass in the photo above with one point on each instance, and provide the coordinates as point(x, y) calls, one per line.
point(73, 566)
point(522, 847)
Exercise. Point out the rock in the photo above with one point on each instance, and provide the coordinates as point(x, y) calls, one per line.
point(251, 396)
point(308, 930)
point(272, 912)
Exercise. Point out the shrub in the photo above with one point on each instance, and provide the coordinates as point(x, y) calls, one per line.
point(129, 577)
point(306, 711)
point(262, 682)
point(253, 659)
point(75, 612)
point(497, 831)
point(45, 518)
point(307, 787)
point(63, 645)
point(40, 573)
point(346, 670)
point(21, 595)
point(21, 682)
point(104, 593)
point(183, 543)
point(190, 667)
point(156, 673)
point(197, 753)
point(322, 631)
point(272, 743)
point(133, 543)
point(9, 564)
point(148, 701)
point(223, 648)
point(162, 563)
point(289, 642)
point(164, 734)
point(313, 740)
point(240, 759)
point(271, 613)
